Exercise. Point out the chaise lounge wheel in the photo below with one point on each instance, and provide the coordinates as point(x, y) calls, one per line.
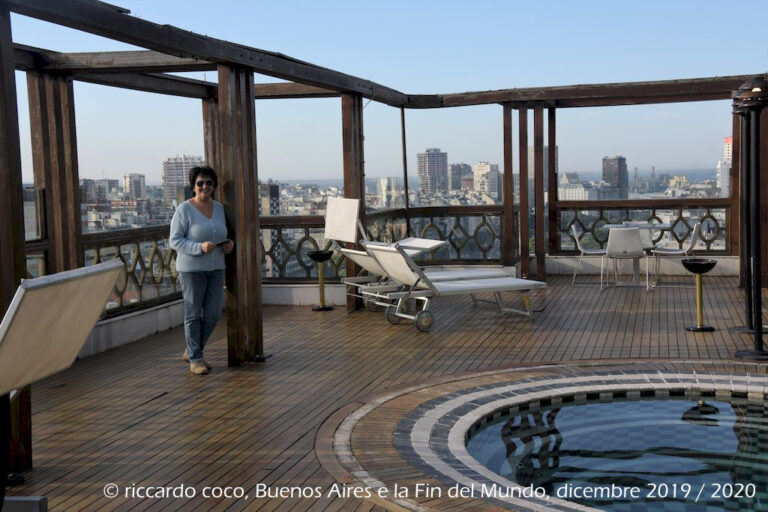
point(424, 320)
point(392, 315)
point(370, 305)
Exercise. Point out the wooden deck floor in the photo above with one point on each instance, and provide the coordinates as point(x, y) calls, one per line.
point(135, 416)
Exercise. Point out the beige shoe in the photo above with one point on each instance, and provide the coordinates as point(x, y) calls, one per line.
point(198, 367)
point(185, 357)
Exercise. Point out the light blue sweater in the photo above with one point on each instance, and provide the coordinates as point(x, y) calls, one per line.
point(189, 229)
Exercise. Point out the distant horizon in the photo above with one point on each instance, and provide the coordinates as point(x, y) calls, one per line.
point(319, 181)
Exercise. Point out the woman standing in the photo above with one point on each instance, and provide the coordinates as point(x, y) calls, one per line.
point(199, 237)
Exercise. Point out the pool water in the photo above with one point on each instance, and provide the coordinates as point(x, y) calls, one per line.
point(674, 454)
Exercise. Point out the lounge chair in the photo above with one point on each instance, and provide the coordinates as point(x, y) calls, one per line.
point(375, 288)
point(417, 285)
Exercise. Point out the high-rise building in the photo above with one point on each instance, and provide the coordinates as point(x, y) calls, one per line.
point(531, 155)
point(134, 185)
point(387, 190)
point(269, 204)
point(455, 173)
point(432, 169)
point(494, 184)
point(728, 149)
point(722, 175)
point(176, 175)
point(480, 173)
point(615, 175)
point(723, 169)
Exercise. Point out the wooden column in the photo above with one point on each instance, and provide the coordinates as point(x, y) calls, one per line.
point(238, 188)
point(734, 226)
point(211, 132)
point(763, 152)
point(538, 188)
point(354, 176)
point(12, 259)
point(508, 223)
point(554, 231)
point(54, 157)
point(405, 165)
point(525, 253)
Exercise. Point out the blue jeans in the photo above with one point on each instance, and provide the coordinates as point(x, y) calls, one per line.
point(203, 299)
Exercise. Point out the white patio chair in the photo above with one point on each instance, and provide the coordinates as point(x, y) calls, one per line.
point(686, 251)
point(623, 244)
point(584, 251)
point(646, 240)
point(401, 268)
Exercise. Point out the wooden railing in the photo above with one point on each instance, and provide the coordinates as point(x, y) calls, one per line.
point(716, 236)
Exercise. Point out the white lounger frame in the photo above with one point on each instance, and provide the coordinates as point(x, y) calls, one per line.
point(417, 285)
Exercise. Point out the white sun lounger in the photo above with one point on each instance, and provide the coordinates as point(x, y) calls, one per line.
point(401, 268)
point(376, 286)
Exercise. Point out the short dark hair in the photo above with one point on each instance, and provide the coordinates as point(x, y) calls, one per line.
point(201, 170)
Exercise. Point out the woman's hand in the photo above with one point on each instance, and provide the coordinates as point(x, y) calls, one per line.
point(208, 247)
point(227, 248)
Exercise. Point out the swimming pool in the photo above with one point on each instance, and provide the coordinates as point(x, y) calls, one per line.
point(686, 452)
point(424, 434)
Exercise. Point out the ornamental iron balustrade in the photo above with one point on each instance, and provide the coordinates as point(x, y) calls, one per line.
point(474, 234)
point(713, 237)
point(149, 263)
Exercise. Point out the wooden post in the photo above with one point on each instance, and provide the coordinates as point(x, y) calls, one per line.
point(12, 259)
point(538, 188)
point(54, 157)
point(508, 197)
point(734, 226)
point(554, 231)
point(238, 191)
point(354, 176)
point(525, 255)
point(405, 163)
point(211, 132)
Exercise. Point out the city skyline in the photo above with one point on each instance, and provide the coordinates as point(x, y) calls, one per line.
point(590, 43)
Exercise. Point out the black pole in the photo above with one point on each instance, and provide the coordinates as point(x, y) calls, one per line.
point(757, 274)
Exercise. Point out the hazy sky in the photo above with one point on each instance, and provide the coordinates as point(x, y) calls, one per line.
point(428, 47)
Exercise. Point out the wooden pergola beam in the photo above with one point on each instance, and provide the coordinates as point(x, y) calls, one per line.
point(109, 21)
point(693, 89)
point(142, 61)
point(139, 74)
point(283, 90)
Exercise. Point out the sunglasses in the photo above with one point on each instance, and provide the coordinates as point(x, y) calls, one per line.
point(201, 184)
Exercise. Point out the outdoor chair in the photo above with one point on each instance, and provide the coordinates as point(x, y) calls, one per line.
point(374, 287)
point(646, 240)
point(686, 251)
point(584, 251)
point(417, 285)
point(623, 243)
point(342, 225)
